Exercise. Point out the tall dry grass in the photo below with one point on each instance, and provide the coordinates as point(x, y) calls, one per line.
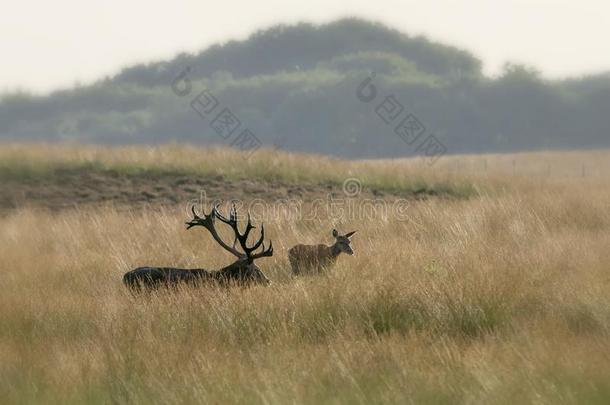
point(501, 298)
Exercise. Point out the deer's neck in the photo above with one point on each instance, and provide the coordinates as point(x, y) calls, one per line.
point(231, 272)
point(334, 250)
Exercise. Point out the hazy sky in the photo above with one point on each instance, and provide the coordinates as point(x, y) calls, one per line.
point(50, 44)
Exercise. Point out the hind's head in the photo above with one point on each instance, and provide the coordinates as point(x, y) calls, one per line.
point(342, 242)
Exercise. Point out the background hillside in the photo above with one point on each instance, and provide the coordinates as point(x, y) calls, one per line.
point(295, 87)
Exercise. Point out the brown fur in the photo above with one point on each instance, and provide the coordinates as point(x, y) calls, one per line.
point(311, 258)
point(316, 259)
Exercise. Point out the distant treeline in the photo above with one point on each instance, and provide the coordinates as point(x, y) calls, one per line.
point(297, 88)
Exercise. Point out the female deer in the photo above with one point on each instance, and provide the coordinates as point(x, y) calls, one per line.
point(317, 258)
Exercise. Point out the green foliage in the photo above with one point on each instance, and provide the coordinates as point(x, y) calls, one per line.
point(295, 86)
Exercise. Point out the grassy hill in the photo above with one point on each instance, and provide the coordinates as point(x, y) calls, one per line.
point(500, 296)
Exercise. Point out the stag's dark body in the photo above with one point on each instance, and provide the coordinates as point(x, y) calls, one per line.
point(152, 277)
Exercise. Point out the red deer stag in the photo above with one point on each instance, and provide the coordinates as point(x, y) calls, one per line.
point(317, 258)
point(241, 272)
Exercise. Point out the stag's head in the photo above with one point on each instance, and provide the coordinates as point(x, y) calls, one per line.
point(342, 242)
point(249, 273)
point(243, 270)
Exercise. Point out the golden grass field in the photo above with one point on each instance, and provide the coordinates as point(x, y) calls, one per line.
point(496, 293)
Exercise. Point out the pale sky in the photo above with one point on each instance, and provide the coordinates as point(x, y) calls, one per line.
point(46, 45)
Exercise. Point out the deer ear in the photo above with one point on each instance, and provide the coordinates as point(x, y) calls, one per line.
point(335, 233)
point(349, 235)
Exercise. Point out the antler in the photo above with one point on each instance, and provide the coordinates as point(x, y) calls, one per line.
point(264, 252)
point(207, 221)
point(242, 238)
